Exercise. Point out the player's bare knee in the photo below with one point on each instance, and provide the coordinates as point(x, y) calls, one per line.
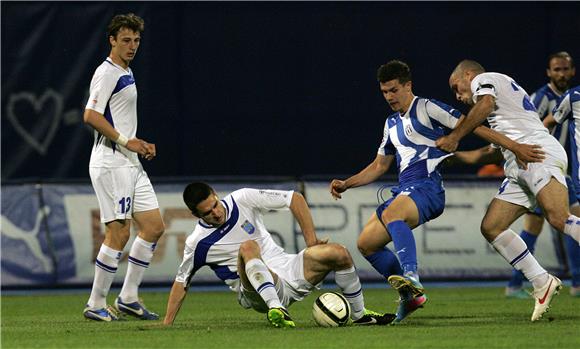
point(153, 232)
point(488, 230)
point(387, 217)
point(342, 258)
point(363, 248)
point(249, 249)
point(557, 219)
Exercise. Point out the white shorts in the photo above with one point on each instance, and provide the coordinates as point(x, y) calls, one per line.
point(523, 190)
point(122, 191)
point(290, 286)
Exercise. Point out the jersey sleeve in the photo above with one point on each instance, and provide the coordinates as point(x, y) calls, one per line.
point(563, 108)
point(443, 113)
point(265, 199)
point(102, 86)
point(482, 85)
point(386, 147)
point(189, 266)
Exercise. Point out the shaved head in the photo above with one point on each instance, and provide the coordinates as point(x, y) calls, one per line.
point(467, 65)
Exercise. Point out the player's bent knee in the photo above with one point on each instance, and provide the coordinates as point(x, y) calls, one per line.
point(249, 249)
point(557, 220)
point(342, 258)
point(488, 230)
point(363, 248)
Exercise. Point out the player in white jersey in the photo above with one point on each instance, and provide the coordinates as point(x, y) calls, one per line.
point(409, 136)
point(568, 111)
point(123, 189)
point(560, 71)
point(509, 110)
point(233, 241)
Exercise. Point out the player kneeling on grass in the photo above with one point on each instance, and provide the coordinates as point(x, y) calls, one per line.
point(231, 238)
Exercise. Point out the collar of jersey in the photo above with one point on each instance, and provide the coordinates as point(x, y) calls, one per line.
point(128, 71)
point(408, 112)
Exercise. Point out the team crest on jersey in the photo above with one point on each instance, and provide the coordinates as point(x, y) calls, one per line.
point(248, 227)
point(408, 130)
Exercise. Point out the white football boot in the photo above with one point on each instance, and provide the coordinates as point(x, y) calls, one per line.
point(543, 296)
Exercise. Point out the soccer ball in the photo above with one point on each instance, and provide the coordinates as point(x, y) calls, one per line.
point(331, 310)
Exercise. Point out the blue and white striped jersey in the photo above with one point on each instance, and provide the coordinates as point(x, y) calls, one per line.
point(411, 137)
point(545, 99)
point(113, 93)
point(218, 247)
point(568, 109)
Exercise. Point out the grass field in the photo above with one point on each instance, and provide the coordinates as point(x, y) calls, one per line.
point(453, 318)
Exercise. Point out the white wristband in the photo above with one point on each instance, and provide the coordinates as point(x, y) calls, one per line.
point(122, 140)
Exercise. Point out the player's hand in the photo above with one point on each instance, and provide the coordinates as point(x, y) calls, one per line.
point(447, 143)
point(336, 187)
point(141, 147)
point(151, 151)
point(526, 153)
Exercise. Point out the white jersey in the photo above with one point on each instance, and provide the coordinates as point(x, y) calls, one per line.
point(568, 109)
point(113, 93)
point(219, 247)
point(545, 100)
point(515, 116)
point(411, 137)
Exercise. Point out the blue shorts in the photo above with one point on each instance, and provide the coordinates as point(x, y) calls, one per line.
point(573, 196)
point(428, 194)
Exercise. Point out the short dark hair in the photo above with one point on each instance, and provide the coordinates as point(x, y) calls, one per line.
point(394, 70)
point(195, 193)
point(563, 55)
point(129, 21)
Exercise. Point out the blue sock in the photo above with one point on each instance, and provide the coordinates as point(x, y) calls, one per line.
point(573, 250)
point(517, 279)
point(385, 262)
point(405, 246)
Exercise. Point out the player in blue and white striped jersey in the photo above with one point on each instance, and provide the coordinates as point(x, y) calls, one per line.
point(568, 110)
point(409, 137)
point(560, 71)
point(231, 239)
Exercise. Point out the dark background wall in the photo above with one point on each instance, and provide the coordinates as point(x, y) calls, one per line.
point(254, 88)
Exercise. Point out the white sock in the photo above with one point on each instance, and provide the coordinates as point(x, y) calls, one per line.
point(572, 227)
point(105, 269)
point(139, 258)
point(514, 250)
point(263, 282)
point(351, 288)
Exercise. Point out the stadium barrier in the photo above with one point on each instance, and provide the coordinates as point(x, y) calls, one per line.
point(51, 233)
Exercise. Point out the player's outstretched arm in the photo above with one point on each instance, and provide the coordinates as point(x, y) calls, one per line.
point(525, 153)
point(176, 297)
point(484, 155)
point(301, 212)
point(476, 116)
point(370, 174)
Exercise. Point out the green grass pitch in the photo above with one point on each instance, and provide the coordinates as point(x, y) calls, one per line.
point(453, 318)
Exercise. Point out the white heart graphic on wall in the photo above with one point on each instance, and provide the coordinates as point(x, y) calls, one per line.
point(37, 103)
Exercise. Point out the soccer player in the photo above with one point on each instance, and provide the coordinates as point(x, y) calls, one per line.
point(123, 189)
point(560, 71)
point(509, 110)
point(409, 136)
point(231, 238)
point(568, 111)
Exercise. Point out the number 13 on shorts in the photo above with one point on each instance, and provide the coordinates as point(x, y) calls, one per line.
point(125, 204)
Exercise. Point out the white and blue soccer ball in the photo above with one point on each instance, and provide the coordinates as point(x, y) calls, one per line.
point(331, 309)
